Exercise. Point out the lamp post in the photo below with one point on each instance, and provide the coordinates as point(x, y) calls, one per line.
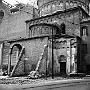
point(53, 53)
point(52, 56)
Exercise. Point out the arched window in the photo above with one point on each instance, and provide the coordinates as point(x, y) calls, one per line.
point(61, 6)
point(32, 31)
point(43, 11)
point(57, 5)
point(35, 31)
point(53, 7)
point(75, 4)
point(63, 28)
point(38, 31)
point(40, 13)
point(84, 31)
point(1, 14)
point(47, 30)
point(67, 5)
point(43, 30)
point(49, 8)
point(71, 4)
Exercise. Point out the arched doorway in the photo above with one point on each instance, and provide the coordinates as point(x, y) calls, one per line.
point(14, 53)
point(62, 62)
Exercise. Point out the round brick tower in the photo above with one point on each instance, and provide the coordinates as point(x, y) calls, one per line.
point(51, 6)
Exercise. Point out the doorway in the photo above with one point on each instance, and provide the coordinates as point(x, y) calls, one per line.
point(88, 69)
point(62, 68)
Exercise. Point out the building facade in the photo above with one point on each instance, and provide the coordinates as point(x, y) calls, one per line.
point(85, 24)
point(58, 36)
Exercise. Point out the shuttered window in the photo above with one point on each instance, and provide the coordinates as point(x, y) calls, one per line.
point(84, 31)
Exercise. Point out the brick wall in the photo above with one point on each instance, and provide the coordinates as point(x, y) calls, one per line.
point(33, 49)
point(20, 68)
point(71, 19)
point(13, 25)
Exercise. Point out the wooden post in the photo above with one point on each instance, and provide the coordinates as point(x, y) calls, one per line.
point(70, 57)
point(9, 63)
point(46, 61)
point(1, 57)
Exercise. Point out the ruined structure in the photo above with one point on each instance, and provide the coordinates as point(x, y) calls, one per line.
point(13, 27)
point(58, 26)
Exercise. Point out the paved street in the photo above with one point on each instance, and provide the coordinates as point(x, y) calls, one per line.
point(71, 84)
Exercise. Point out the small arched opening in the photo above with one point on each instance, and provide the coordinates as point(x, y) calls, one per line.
point(14, 54)
point(1, 14)
point(63, 28)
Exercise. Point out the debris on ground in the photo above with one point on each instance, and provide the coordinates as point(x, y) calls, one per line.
point(34, 75)
point(27, 80)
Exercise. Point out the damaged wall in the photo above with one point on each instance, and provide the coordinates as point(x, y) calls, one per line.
point(33, 50)
point(12, 25)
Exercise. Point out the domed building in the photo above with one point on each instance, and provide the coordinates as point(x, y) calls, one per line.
point(52, 6)
point(59, 23)
point(56, 43)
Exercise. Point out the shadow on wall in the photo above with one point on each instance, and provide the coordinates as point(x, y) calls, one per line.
point(87, 58)
point(33, 67)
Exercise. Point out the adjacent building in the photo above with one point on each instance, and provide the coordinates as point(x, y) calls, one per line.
point(13, 27)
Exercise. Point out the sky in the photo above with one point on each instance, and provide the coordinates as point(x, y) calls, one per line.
point(22, 1)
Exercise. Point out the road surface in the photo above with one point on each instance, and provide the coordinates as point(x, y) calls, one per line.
point(75, 84)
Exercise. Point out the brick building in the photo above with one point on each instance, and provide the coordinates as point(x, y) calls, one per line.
point(13, 27)
point(28, 47)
